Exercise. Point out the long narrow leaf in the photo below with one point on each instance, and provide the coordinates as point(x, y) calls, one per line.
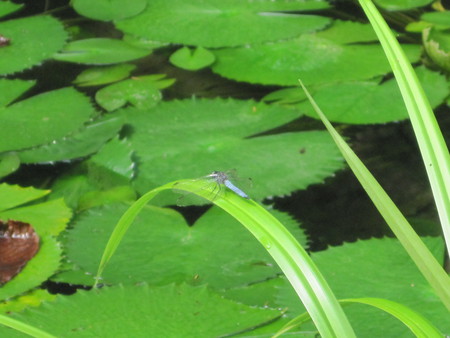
point(419, 325)
point(298, 267)
point(429, 137)
point(23, 327)
point(422, 257)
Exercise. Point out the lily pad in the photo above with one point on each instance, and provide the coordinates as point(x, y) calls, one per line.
point(100, 51)
point(169, 311)
point(203, 23)
point(96, 76)
point(13, 89)
point(191, 138)
point(29, 44)
point(79, 144)
point(364, 102)
point(310, 58)
point(160, 248)
point(43, 118)
point(192, 60)
point(107, 10)
point(143, 92)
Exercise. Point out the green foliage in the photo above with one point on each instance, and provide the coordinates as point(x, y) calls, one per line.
point(144, 120)
point(192, 60)
point(220, 138)
point(167, 310)
point(204, 23)
point(376, 268)
point(43, 118)
point(313, 59)
point(96, 76)
point(100, 51)
point(28, 42)
point(108, 10)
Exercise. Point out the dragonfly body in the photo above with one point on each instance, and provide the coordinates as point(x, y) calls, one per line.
point(222, 178)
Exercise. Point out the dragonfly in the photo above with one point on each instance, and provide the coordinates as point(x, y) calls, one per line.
point(215, 183)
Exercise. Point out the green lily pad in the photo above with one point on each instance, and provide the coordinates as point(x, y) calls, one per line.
point(310, 58)
point(192, 60)
point(376, 268)
point(401, 5)
point(43, 118)
point(203, 23)
point(100, 51)
point(437, 18)
point(191, 138)
point(364, 102)
point(107, 10)
point(79, 144)
point(160, 248)
point(12, 89)
point(136, 311)
point(8, 7)
point(9, 162)
point(29, 44)
point(143, 92)
point(437, 45)
point(96, 76)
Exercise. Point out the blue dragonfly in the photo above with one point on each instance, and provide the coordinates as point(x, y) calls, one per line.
point(215, 183)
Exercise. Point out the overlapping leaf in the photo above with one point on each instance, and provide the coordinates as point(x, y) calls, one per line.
point(169, 311)
point(160, 248)
point(311, 58)
point(29, 42)
point(220, 23)
point(43, 118)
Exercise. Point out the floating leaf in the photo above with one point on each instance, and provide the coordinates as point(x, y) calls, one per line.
point(203, 23)
point(401, 5)
point(29, 44)
point(160, 248)
point(176, 311)
point(12, 89)
point(437, 18)
point(192, 60)
point(102, 75)
point(107, 10)
point(13, 195)
point(437, 45)
point(100, 51)
point(43, 118)
point(312, 59)
point(142, 92)
point(9, 162)
point(191, 138)
point(369, 101)
point(82, 143)
point(7, 7)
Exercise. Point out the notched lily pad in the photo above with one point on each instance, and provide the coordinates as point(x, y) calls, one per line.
point(174, 310)
point(203, 23)
point(29, 43)
point(107, 10)
point(100, 51)
point(191, 138)
point(192, 59)
point(43, 118)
